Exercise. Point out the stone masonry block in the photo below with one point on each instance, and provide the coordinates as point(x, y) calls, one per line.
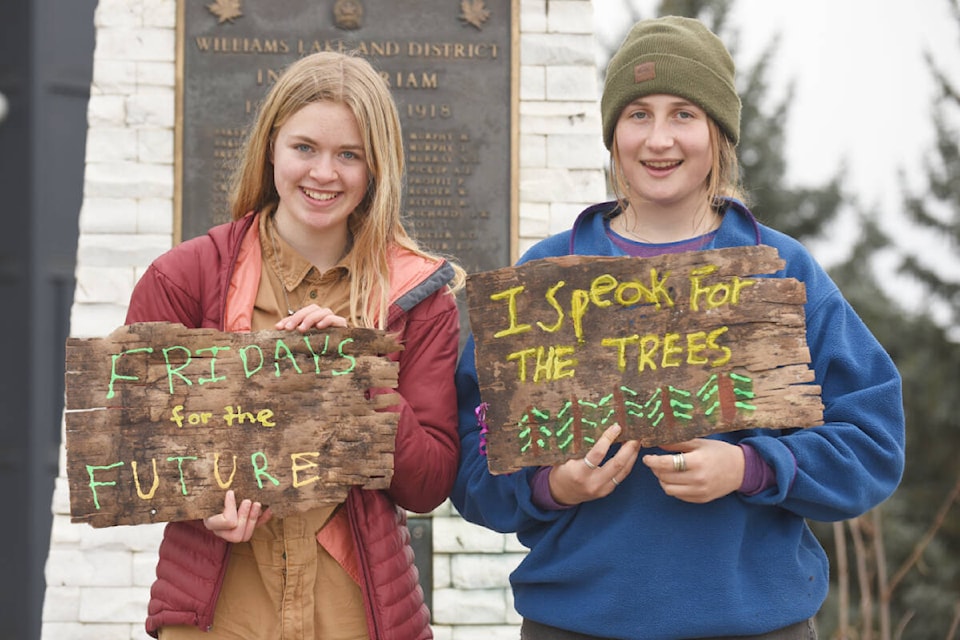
point(139, 538)
point(154, 108)
point(574, 151)
point(105, 110)
point(61, 603)
point(114, 604)
point(94, 320)
point(155, 216)
point(533, 83)
point(156, 74)
point(75, 567)
point(111, 144)
point(117, 250)
point(571, 16)
point(108, 215)
point(481, 571)
point(123, 43)
point(487, 632)
point(582, 117)
point(571, 83)
point(558, 49)
point(118, 13)
point(454, 535)
point(128, 180)
point(533, 16)
point(533, 151)
point(155, 146)
point(103, 284)
point(77, 631)
point(476, 606)
point(160, 13)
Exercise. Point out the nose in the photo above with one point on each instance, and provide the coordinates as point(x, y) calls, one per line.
point(661, 136)
point(323, 167)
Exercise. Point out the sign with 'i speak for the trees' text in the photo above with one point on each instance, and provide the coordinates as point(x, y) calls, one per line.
point(671, 348)
point(162, 420)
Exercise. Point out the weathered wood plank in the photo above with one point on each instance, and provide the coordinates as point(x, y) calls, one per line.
point(671, 347)
point(161, 420)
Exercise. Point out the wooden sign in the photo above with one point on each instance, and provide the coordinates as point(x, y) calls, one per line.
point(162, 420)
point(671, 348)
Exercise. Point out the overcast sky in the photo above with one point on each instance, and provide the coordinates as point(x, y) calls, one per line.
point(862, 90)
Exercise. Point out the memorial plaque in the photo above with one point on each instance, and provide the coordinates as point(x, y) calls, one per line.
point(451, 67)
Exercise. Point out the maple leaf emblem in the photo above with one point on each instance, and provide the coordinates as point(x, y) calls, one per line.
point(225, 10)
point(474, 12)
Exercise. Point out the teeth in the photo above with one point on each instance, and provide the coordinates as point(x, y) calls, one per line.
point(317, 195)
point(663, 164)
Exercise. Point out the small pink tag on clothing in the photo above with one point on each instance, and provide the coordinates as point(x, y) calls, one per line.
point(644, 71)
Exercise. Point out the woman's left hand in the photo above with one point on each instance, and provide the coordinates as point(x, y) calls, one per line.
point(700, 470)
point(311, 317)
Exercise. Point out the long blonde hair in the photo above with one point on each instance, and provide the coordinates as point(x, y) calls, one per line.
point(723, 181)
point(376, 223)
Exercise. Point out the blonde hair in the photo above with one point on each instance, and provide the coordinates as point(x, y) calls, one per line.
point(376, 222)
point(723, 181)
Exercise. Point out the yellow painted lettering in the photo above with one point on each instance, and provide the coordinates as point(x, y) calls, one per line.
point(298, 463)
point(579, 303)
point(216, 471)
point(511, 297)
point(602, 285)
point(712, 343)
point(551, 297)
point(672, 354)
point(136, 480)
point(649, 344)
point(521, 358)
point(696, 344)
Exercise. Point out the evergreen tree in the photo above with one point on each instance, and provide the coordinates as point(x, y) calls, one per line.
point(937, 208)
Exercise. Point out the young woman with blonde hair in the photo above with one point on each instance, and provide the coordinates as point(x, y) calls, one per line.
point(316, 241)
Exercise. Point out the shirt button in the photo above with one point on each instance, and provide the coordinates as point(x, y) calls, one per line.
point(313, 294)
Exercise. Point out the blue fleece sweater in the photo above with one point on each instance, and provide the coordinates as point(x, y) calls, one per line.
point(639, 564)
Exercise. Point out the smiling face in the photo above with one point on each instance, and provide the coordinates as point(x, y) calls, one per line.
point(320, 171)
point(664, 151)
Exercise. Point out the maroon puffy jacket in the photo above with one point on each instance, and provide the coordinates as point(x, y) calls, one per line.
point(188, 285)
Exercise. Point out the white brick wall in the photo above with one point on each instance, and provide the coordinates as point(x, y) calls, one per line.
point(98, 579)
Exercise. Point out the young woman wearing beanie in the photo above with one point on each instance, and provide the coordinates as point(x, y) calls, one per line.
point(704, 538)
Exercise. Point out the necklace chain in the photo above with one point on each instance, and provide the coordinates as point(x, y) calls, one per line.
point(629, 233)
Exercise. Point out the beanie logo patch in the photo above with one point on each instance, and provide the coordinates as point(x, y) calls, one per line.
point(644, 71)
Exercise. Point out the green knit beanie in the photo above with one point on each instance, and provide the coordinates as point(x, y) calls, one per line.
point(677, 56)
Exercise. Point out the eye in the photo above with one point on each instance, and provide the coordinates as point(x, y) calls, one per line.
point(348, 154)
point(686, 115)
point(302, 147)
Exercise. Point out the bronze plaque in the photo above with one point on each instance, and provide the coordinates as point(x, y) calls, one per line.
point(451, 66)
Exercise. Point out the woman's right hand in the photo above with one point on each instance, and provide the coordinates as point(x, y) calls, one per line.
point(584, 479)
point(237, 524)
point(309, 318)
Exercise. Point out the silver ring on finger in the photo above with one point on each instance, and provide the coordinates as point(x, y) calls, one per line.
point(589, 464)
point(615, 481)
point(679, 463)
